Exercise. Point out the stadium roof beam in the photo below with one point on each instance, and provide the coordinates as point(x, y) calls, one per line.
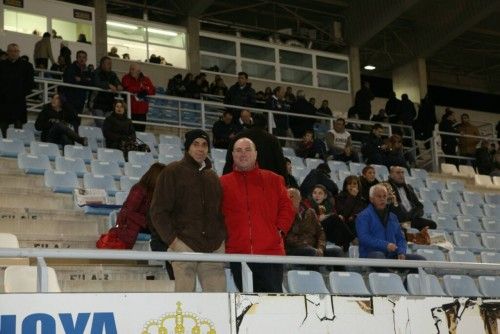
point(194, 7)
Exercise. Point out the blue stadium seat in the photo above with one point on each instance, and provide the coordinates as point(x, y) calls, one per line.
point(49, 149)
point(381, 171)
point(453, 196)
point(288, 152)
point(172, 140)
point(467, 240)
point(491, 225)
point(169, 149)
point(121, 197)
point(356, 168)
point(424, 285)
point(429, 208)
point(112, 155)
point(456, 185)
point(61, 181)
point(431, 254)
point(303, 281)
point(469, 223)
point(435, 184)
point(312, 163)
point(126, 182)
point(491, 210)
point(386, 284)
point(299, 172)
point(11, 148)
point(218, 166)
point(141, 158)
point(489, 286)
point(445, 222)
point(99, 167)
point(147, 137)
point(460, 286)
point(490, 257)
point(33, 164)
point(419, 172)
point(105, 182)
point(230, 285)
point(338, 166)
point(112, 216)
point(82, 152)
point(431, 195)
point(343, 174)
point(75, 165)
point(415, 182)
point(134, 170)
point(30, 126)
point(471, 197)
point(348, 284)
point(450, 208)
point(492, 198)
point(91, 132)
point(219, 154)
point(166, 159)
point(296, 161)
point(491, 241)
point(26, 136)
point(462, 256)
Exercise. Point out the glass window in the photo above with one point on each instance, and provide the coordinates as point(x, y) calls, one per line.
point(333, 81)
point(257, 52)
point(295, 58)
point(259, 70)
point(126, 30)
point(166, 37)
point(70, 31)
point(176, 57)
point(24, 23)
point(217, 46)
point(331, 64)
point(137, 51)
point(296, 76)
point(216, 64)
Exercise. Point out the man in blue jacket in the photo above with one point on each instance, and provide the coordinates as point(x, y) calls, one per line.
point(379, 232)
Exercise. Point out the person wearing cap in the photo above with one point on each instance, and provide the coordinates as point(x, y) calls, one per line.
point(258, 214)
point(185, 212)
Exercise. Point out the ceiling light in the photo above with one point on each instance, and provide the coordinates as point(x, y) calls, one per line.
point(369, 67)
point(122, 25)
point(162, 32)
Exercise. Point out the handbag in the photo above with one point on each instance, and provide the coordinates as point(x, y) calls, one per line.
point(110, 241)
point(420, 238)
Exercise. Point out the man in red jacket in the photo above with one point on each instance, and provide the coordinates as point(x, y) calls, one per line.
point(258, 213)
point(137, 83)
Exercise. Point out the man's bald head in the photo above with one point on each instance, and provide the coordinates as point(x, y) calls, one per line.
point(244, 154)
point(134, 70)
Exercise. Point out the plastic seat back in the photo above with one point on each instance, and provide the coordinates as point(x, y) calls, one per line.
point(33, 164)
point(460, 286)
point(462, 256)
point(141, 158)
point(11, 148)
point(424, 285)
point(23, 279)
point(49, 149)
point(61, 181)
point(111, 155)
point(491, 240)
point(489, 286)
point(348, 284)
point(76, 165)
point(386, 284)
point(82, 152)
point(303, 281)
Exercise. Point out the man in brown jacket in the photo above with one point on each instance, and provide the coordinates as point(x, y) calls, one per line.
point(467, 145)
point(185, 212)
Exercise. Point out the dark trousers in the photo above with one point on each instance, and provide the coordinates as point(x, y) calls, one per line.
point(338, 232)
point(450, 150)
point(5, 125)
point(267, 277)
point(62, 134)
point(381, 255)
point(311, 251)
point(420, 223)
point(140, 118)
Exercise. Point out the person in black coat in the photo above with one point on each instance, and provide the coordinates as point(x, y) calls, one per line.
point(58, 123)
point(118, 128)
point(269, 151)
point(224, 130)
point(367, 179)
point(407, 207)
point(448, 143)
point(320, 175)
point(373, 148)
point(408, 111)
point(299, 125)
point(393, 108)
point(290, 180)
point(362, 101)
point(277, 102)
point(105, 78)
point(17, 81)
point(240, 94)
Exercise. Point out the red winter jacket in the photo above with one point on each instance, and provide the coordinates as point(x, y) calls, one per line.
point(133, 85)
point(256, 207)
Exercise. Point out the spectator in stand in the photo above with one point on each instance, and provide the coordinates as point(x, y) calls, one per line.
point(374, 148)
point(268, 92)
point(113, 52)
point(324, 110)
point(174, 85)
point(105, 78)
point(367, 179)
point(394, 155)
point(290, 180)
point(299, 125)
point(60, 66)
point(244, 122)
point(58, 123)
point(407, 207)
point(289, 97)
point(312, 101)
point(140, 86)
point(379, 232)
point(17, 81)
point(485, 158)
point(393, 108)
point(270, 155)
point(240, 94)
point(224, 130)
point(466, 145)
point(3, 55)
point(260, 226)
point(448, 142)
point(55, 35)
point(186, 213)
point(362, 102)
point(348, 204)
point(407, 111)
point(77, 74)
point(381, 117)
point(320, 175)
point(43, 52)
point(277, 103)
point(218, 87)
point(339, 143)
point(82, 39)
point(426, 119)
point(185, 84)
point(197, 87)
point(310, 147)
point(65, 52)
point(306, 236)
point(118, 129)
point(132, 218)
point(126, 56)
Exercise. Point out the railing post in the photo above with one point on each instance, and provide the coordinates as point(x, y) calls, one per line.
point(246, 278)
point(179, 116)
point(270, 121)
point(203, 115)
point(129, 106)
point(435, 159)
point(42, 283)
point(45, 92)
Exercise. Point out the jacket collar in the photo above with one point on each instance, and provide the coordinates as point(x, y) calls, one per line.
point(193, 163)
point(252, 171)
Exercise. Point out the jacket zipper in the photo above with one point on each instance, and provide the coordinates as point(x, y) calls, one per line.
point(248, 212)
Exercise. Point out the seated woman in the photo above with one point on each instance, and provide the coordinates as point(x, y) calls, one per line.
point(58, 123)
point(348, 204)
point(132, 218)
point(118, 129)
point(367, 180)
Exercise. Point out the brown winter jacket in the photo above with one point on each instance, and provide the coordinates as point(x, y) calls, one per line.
point(306, 231)
point(186, 205)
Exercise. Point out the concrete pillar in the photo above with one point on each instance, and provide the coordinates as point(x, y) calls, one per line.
point(411, 79)
point(101, 30)
point(354, 70)
point(192, 25)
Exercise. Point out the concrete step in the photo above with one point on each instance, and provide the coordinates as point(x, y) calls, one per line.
point(118, 286)
point(33, 214)
point(110, 273)
point(73, 242)
point(36, 198)
point(8, 164)
point(48, 228)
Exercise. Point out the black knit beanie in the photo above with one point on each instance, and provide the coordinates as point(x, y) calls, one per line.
point(192, 135)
